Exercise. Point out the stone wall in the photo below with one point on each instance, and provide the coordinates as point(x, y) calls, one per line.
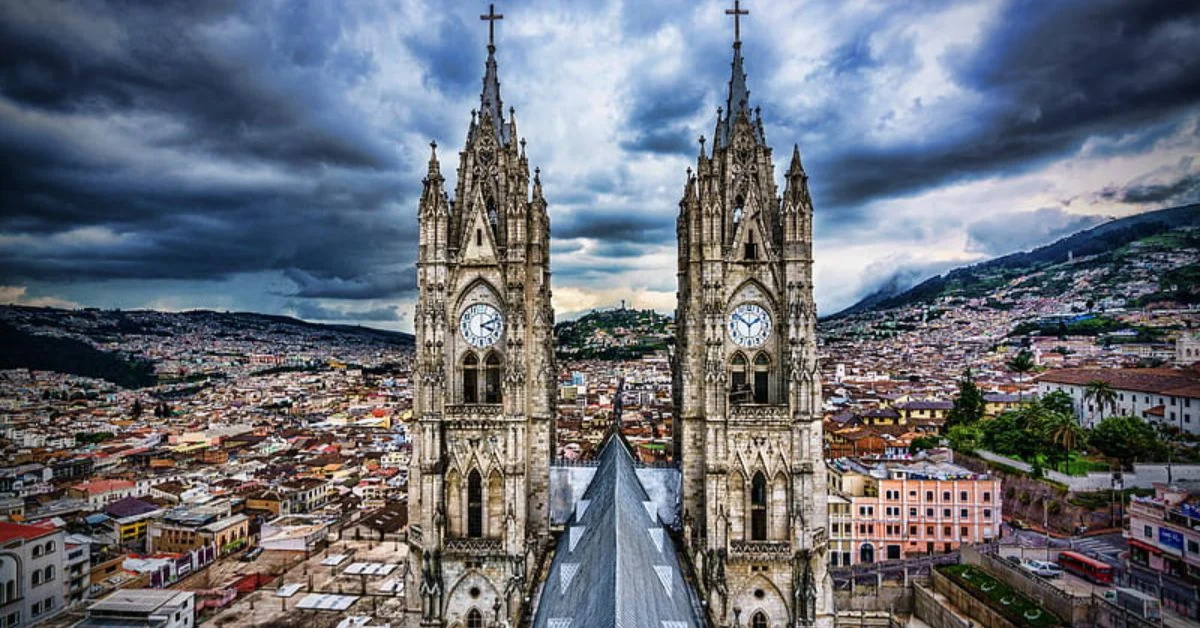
point(980, 613)
point(934, 609)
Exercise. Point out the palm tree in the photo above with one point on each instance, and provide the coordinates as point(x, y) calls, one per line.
point(1064, 432)
point(1102, 394)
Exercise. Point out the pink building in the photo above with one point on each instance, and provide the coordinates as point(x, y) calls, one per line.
point(895, 509)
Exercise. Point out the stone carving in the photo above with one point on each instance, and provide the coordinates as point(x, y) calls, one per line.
point(431, 585)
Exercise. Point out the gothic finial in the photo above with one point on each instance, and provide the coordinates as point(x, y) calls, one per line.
point(737, 12)
point(491, 18)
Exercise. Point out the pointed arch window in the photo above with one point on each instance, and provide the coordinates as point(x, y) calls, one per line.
point(739, 390)
point(470, 378)
point(474, 619)
point(491, 393)
point(762, 378)
point(758, 508)
point(759, 620)
point(474, 505)
point(739, 205)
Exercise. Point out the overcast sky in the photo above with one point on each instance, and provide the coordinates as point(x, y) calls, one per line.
point(268, 155)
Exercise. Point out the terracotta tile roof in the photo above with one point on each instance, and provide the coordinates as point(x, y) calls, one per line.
point(1171, 382)
point(13, 531)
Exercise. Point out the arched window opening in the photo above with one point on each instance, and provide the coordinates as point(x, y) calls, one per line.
point(739, 390)
point(49, 573)
point(759, 620)
point(474, 619)
point(492, 380)
point(470, 378)
point(866, 554)
point(474, 505)
point(491, 212)
point(739, 205)
point(751, 252)
point(758, 508)
point(762, 372)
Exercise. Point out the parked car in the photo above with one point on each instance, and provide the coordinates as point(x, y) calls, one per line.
point(251, 554)
point(1017, 524)
point(1042, 568)
point(1015, 561)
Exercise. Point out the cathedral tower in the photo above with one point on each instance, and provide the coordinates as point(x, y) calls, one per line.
point(484, 377)
point(746, 384)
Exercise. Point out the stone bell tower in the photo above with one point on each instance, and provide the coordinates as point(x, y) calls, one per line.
point(746, 382)
point(484, 378)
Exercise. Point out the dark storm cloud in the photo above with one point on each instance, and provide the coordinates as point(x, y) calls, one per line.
point(451, 49)
point(1024, 231)
point(311, 310)
point(615, 226)
point(1182, 191)
point(193, 141)
point(1051, 75)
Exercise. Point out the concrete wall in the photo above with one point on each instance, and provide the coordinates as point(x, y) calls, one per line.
point(1076, 610)
point(980, 613)
point(934, 609)
point(1142, 476)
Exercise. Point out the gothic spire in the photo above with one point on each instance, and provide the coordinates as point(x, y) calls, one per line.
point(435, 168)
point(739, 94)
point(489, 99)
point(796, 168)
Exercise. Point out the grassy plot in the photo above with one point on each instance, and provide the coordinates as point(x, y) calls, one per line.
point(1000, 597)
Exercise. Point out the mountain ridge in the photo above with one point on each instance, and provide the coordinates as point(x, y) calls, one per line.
point(1095, 240)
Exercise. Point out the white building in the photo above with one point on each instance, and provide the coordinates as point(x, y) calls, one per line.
point(31, 574)
point(1162, 396)
point(1187, 349)
point(143, 607)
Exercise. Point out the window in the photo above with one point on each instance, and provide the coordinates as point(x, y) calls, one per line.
point(945, 512)
point(963, 513)
point(474, 504)
point(492, 390)
point(739, 392)
point(987, 496)
point(751, 247)
point(929, 531)
point(758, 508)
point(762, 365)
point(945, 496)
point(471, 379)
point(912, 530)
point(37, 551)
point(912, 512)
point(928, 512)
point(962, 496)
point(928, 496)
point(1193, 547)
point(1148, 532)
point(474, 619)
point(912, 494)
point(866, 553)
point(49, 573)
point(966, 533)
point(479, 237)
point(987, 514)
point(759, 620)
point(36, 577)
point(946, 531)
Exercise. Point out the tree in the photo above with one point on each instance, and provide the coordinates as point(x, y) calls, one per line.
point(1022, 362)
point(968, 407)
point(136, 410)
point(1125, 438)
point(1062, 431)
point(1101, 393)
point(964, 437)
point(1060, 402)
point(923, 443)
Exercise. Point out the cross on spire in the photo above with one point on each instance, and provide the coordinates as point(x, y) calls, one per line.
point(737, 12)
point(491, 18)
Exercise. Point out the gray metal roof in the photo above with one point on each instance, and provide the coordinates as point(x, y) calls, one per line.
point(615, 565)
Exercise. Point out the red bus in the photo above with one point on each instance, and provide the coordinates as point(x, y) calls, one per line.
point(1086, 568)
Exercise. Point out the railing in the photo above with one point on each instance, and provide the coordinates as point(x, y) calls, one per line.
point(759, 412)
point(472, 410)
point(474, 547)
point(761, 548)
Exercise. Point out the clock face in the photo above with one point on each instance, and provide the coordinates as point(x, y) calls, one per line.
point(749, 325)
point(481, 325)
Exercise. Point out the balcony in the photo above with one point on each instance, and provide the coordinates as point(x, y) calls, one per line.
point(473, 411)
point(761, 549)
point(475, 547)
point(766, 412)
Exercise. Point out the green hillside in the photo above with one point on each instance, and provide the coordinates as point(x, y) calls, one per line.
point(616, 334)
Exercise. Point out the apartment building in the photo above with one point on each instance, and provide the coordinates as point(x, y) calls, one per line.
point(143, 607)
point(899, 509)
point(1166, 396)
point(31, 574)
point(1164, 546)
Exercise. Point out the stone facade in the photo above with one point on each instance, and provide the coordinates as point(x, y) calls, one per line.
point(484, 381)
point(746, 384)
